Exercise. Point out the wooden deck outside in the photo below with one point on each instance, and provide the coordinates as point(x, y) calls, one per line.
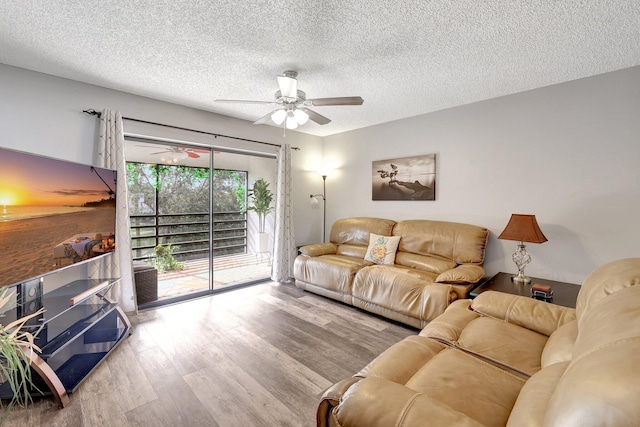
point(227, 271)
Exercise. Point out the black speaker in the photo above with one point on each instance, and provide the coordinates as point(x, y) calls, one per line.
point(30, 301)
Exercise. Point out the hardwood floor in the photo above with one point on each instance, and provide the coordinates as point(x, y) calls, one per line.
point(256, 356)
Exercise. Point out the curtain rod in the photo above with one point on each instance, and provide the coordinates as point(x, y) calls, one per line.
point(93, 112)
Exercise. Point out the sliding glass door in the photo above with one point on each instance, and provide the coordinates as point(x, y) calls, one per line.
point(169, 207)
point(192, 219)
point(238, 257)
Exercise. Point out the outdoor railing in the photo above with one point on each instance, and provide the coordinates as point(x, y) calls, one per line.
point(188, 234)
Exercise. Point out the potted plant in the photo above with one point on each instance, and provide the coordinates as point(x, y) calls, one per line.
point(165, 260)
point(16, 347)
point(261, 199)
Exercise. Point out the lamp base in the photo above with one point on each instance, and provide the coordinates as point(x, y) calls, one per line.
point(521, 279)
point(521, 257)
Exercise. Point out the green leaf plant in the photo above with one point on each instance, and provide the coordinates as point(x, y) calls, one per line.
point(261, 199)
point(16, 350)
point(165, 260)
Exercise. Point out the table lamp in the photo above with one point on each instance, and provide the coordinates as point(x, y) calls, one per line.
point(522, 228)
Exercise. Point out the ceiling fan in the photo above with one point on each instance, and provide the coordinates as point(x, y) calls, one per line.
point(293, 104)
point(175, 154)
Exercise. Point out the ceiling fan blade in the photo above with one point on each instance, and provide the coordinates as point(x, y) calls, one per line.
point(288, 86)
point(160, 152)
point(343, 100)
point(264, 119)
point(199, 150)
point(192, 154)
point(318, 118)
point(242, 101)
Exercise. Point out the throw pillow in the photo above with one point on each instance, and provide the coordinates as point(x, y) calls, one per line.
point(382, 249)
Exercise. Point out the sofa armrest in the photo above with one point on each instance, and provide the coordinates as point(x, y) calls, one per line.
point(319, 249)
point(538, 316)
point(463, 274)
point(449, 325)
point(378, 402)
point(331, 398)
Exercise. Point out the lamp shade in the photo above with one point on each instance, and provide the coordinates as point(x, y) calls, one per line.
point(291, 122)
point(300, 116)
point(278, 116)
point(523, 228)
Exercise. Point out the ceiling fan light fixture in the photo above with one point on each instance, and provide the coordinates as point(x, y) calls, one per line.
point(292, 104)
point(174, 156)
point(182, 155)
point(278, 116)
point(291, 122)
point(301, 116)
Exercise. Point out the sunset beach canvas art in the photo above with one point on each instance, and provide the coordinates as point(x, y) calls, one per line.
point(46, 204)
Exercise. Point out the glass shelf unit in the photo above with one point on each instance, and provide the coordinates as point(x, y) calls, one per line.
point(82, 323)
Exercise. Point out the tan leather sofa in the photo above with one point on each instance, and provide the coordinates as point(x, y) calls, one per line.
point(436, 263)
point(509, 360)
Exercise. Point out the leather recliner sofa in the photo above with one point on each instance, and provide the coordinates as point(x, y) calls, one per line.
point(503, 359)
point(436, 263)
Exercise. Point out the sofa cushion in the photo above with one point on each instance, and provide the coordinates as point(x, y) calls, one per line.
point(495, 338)
point(606, 280)
point(602, 381)
point(461, 291)
point(427, 276)
point(613, 322)
point(533, 400)
point(332, 272)
point(505, 343)
point(435, 372)
point(424, 262)
point(601, 385)
point(539, 316)
point(414, 351)
point(387, 287)
point(355, 231)
point(560, 344)
point(382, 249)
point(352, 251)
point(462, 274)
point(599, 390)
point(468, 385)
point(449, 325)
point(376, 402)
point(460, 243)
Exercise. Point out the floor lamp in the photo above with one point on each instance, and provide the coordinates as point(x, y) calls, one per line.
point(322, 196)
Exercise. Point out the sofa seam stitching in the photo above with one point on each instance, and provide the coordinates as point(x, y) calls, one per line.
point(507, 314)
point(484, 359)
point(406, 408)
point(604, 346)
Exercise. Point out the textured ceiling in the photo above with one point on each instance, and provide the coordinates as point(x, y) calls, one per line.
point(404, 58)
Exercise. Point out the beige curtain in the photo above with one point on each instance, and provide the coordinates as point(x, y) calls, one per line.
point(284, 251)
point(110, 154)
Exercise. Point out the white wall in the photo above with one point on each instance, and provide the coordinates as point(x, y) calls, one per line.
point(43, 114)
point(568, 153)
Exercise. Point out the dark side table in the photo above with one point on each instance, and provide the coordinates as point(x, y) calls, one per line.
point(564, 294)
